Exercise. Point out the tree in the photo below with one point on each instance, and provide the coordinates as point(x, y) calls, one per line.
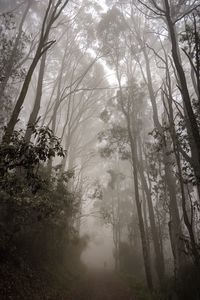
point(12, 59)
point(51, 15)
point(12, 52)
point(173, 14)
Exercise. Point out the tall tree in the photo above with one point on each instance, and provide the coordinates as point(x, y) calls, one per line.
point(52, 13)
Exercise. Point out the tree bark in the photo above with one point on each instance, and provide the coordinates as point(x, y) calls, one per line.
point(176, 148)
point(50, 16)
point(146, 256)
point(159, 259)
point(170, 179)
point(191, 121)
point(36, 108)
point(10, 63)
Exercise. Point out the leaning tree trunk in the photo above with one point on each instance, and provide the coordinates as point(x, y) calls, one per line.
point(36, 108)
point(51, 15)
point(56, 107)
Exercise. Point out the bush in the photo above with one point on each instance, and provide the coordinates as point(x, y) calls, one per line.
point(36, 207)
point(189, 283)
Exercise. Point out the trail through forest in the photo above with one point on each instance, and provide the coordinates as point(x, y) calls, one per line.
point(99, 149)
point(101, 285)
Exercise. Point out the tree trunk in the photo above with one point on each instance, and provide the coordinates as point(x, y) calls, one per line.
point(159, 262)
point(187, 222)
point(15, 114)
point(133, 145)
point(53, 128)
point(146, 221)
point(10, 63)
point(159, 259)
point(36, 108)
point(146, 256)
point(191, 121)
point(170, 179)
point(56, 106)
point(51, 14)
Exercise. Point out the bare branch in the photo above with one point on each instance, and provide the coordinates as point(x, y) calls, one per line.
point(151, 9)
point(186, 13)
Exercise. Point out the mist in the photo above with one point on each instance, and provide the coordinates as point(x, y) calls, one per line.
point(99, 150)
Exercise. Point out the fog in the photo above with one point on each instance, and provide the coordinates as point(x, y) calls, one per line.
point(100, 149)
point(99, 251)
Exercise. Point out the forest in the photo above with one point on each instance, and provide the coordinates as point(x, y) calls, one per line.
point(100, 149)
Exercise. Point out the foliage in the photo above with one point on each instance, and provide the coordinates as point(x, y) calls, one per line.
point(141, 292)
point(22, 159)
point(12, 53)
point(29, 196)
point(190, 38)
point(109, 31)
point(114, 140)
point(36, 220)
point(8, 29)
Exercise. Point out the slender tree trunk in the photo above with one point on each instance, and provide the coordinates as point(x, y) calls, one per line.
point(146, 221)
point(15, 114)
point(195, 253)
point(170, 179)
point(191, 121)
point(53, 128)
point(133, 144)
point(118, 220)
point(146, 256)
point(51, 14)
point(159, 261)
point(54, 115)
point(36, 108)
point(11, 62)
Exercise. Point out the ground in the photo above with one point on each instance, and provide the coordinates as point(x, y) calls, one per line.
point(101, 285)
point(20, 282)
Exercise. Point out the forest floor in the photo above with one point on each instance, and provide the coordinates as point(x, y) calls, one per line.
point(101, 285)
point(24, 283)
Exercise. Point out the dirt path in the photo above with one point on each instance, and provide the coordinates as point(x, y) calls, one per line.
point(101, 286)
